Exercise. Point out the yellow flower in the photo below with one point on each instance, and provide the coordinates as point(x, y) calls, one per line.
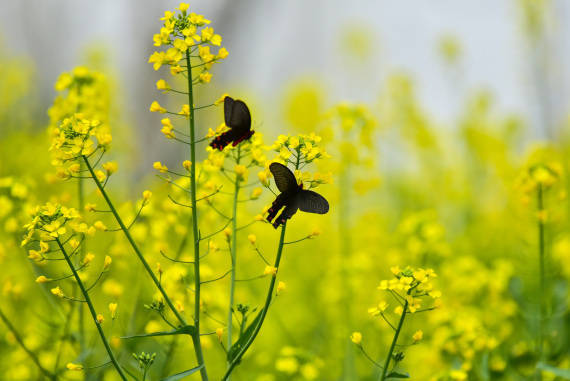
point(187, 164)
point(219, 333)
point(113, 310)
point(156, 107)
point(107, 262)
point(100, 319)
point(57, 292)
point(255, 193)
point(111, 167)
point(205, 77)
point(42, 279)
point(162, 85)
point(183, 7)
point(101, 176)
point(185, 110)
point(281, 286)
point(99, 226)
point(146, 195)
point(356, 338)
point(241, 171)
point(88, 258)
point(160, 167)
point(417, 336)
point(252, 238)
point(222, 53)
point(72, 366)
point(270, 270)
point(90, 207)
point(74, 168)
point(221, 99)
point(263, 178)
point(458, 375)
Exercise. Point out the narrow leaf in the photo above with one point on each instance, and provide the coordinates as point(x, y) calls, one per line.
point(188, 330)
point(234, 350)
point(397, 375)
point(562, 373)
point(181, 375)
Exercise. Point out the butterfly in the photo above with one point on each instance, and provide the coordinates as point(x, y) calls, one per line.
point(293, 197)
point(238, 119)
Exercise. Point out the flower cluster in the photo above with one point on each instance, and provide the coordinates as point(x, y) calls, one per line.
point(299, 151)
point(183, 33)
point(414, 284)
point(252, 149)
point(543, 175)
point(81, 90)
point(49, 222)
point(76, 137)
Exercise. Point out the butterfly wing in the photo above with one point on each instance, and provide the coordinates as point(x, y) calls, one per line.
point(312, 202)
point(284, 178)
point(236, 115)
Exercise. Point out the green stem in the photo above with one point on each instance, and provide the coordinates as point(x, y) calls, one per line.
point(20, 341)
point(396, 334)
point(345, 258)
point(133, 244)
point(268, 298)
point(92, 310)
point(233, 254)
point(542, 279)
point(196, 237)
point(81, 200)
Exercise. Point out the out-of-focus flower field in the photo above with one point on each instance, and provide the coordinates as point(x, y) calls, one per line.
point(445, 254)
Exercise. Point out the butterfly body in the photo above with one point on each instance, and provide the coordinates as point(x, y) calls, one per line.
point(292, 197)
point(238, 118)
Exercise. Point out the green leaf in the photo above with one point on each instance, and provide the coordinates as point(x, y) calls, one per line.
point(247, 333)
point(181, 375)
point(188, 330)
point(563, 373)
point(397, 375)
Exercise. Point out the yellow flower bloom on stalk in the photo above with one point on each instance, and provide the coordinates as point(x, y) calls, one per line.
point(75, 367)
point(156, 107)
point(181, 31)
point(219, 333)
point(299, 150)
point(417, 336)
point(76, 136)
point(49, 223)
point(160, 167)
point(356, 338)
point(270, 270)
point(162, 85)
point(281, 286)
point(107, 262)
point(42, 279)
point(113, 310)
point(57, 292)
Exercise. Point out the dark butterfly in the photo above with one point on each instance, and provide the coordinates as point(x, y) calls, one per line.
point(238, 119)
point(292, 197)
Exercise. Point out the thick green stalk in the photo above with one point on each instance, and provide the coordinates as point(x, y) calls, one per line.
point(20, 341)
point(195, 233)
point(263, 312)
point(92, 311)
point(83, 248)
point(133, 244)
point(233, 254)
point(394, 341)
